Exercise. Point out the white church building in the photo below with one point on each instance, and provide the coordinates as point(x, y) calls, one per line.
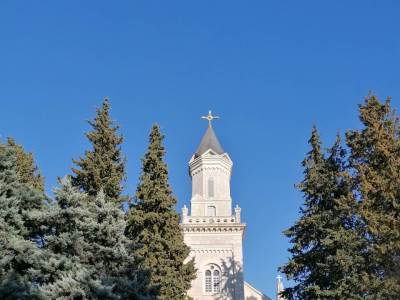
point(212, 229)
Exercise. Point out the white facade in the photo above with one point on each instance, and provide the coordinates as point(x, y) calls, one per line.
point(212, 231)
point(251, 293)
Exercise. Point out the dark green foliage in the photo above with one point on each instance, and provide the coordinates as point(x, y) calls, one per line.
point(26, 169)
point(346, 244)
point(327, 254)
point(103, 167)
point(89, 234)
point(375, 157)
point(21, 209)
point(154, 223)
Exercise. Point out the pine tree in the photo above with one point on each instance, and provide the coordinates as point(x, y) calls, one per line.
point(26, 169)
point(154, 223)
point(103, 167)
point(375, 157)
point(327, 260)
point(21, 208)
point(90, 234)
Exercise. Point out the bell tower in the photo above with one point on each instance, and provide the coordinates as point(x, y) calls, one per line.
point(210, 169)
point(212, 230)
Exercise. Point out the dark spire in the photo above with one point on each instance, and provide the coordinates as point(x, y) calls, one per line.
point(209, 141)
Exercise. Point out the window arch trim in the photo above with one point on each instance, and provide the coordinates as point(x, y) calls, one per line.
point(212, 279)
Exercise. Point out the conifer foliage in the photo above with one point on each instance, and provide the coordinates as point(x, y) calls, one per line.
point(90, 234)
point(346, 244)
point(103, 167)
point(327, 260)
point(26, 168)
point(375, 158)
point(154, 223)
point(21, 208)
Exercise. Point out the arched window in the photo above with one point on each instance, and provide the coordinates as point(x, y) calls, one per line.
point(211, 211)
point(208, 281)
point(216, 281)
point(212, 279)
point(210, 187)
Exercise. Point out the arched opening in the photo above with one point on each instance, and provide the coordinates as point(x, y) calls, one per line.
point(216, 279)
point(211, 211)
point(208, 282)
point(212, 279)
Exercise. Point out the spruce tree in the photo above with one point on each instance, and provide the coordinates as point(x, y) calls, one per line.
point(154, 223)
point(90, 233)
point(327, 260)
point(21, 208)
point(103, 167)
point(375, 157)
point(26, 168)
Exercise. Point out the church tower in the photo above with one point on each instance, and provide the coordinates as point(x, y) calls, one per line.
point(212, 230)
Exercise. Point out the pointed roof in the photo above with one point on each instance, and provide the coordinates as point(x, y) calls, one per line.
point(209, 141)
point(279, 288)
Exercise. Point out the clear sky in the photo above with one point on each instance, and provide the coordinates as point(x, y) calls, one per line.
point(270, 69)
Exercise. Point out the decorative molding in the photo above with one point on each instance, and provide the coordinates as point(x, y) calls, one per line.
point(211, 220)
point(211, 251)
point(201, 169)
point(210, 228)
point(217, 162)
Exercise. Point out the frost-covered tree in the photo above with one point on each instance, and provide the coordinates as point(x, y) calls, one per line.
point(90, 234)
point(21, 211)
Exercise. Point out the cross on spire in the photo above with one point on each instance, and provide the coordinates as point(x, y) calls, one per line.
point(209, 118)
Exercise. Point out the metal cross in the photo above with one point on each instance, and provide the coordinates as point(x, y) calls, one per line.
point(210, 118)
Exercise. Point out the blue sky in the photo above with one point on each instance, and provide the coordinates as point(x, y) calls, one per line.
point(270, 69)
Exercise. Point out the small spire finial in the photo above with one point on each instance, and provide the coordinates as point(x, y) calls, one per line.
point(209, 118)
point(279, 288)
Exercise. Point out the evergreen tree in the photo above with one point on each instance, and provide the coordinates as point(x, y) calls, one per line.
point(154, 223)
point(327, 260)
point(103, 167)
point(72, 282)
point(90, 235)
point(375, 157)
point(21, 208)
point(26, 169)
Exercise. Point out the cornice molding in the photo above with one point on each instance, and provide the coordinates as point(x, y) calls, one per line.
point(214, 161)
point(213, 168)
point(211, 251)
point(213, 228)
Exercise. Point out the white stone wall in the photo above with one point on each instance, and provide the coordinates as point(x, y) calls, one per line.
point(202, 169)
point(214, 240)
point(219, 245)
